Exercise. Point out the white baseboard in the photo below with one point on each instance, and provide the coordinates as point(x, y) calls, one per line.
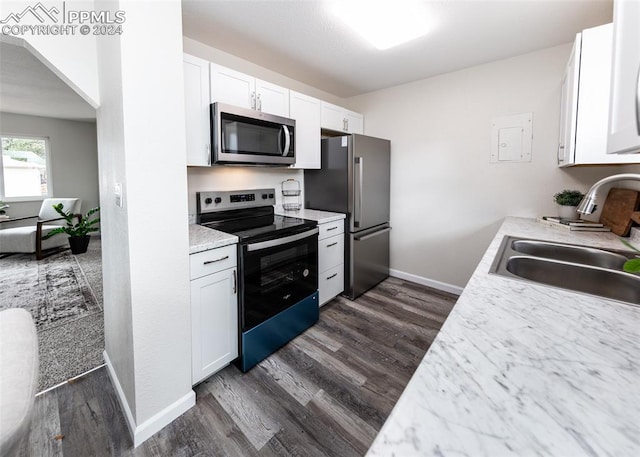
point(142, 432)
point(427, 282)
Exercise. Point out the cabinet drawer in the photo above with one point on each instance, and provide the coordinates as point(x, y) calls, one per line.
point(331, 283)
point(330, 252)
point(212, 261)
point(330, 229)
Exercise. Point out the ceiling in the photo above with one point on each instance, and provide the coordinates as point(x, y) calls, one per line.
point(27, 86)
point(303, 40)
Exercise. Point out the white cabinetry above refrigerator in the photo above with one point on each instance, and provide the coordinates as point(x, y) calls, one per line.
point(341, 120)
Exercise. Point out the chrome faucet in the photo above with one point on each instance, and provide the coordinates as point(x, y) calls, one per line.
point(588, 203)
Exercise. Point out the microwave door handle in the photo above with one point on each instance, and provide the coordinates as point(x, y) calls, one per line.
point(287, 140)
point(280, 241)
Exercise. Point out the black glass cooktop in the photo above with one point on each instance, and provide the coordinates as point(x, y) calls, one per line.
point(255, 224)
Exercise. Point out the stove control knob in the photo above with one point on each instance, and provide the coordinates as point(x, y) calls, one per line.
point(207, 201)
point(218, 200)
point(270, 195)
point(264, 196)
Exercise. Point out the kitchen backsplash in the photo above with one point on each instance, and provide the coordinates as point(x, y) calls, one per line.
point(236, 178)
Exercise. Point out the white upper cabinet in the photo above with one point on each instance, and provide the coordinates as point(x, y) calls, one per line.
point(306, 112)
point(355, 122)
point(340, 119)
point(232, 87)
point(196, 99)
point(272, 99)
point(624, 118)
point(585, 101)
point(238, 89)
point(569, 105)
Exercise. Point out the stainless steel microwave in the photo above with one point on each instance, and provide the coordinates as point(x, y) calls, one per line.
point(243, 136)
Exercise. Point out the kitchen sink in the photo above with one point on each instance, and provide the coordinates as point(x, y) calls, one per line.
point(570, 253)
point(578, 268)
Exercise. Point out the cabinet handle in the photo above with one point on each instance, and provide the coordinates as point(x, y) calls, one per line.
point(332, 228)
point(207, 262)
point(332, 276)
point(253, 100)
point(235, 282)
point(332, 244)
point(259, 108)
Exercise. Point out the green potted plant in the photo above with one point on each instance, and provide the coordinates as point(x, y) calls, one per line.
point(78, 232)
point(568, 201)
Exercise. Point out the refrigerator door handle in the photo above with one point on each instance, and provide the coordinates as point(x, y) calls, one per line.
point(371, 235)
point(358, 215)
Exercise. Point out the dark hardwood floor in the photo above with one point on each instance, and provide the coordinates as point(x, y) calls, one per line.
point(326, 393)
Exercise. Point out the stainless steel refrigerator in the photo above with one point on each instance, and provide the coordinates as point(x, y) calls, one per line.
point(354, 179)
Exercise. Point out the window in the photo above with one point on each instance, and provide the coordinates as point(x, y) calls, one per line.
point(24, 166)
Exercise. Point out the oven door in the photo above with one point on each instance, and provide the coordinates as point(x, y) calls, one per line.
point(277, 274)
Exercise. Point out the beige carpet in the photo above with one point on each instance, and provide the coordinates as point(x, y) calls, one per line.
point(63, 293)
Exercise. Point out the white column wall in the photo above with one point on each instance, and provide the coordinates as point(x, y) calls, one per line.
point(142, 147)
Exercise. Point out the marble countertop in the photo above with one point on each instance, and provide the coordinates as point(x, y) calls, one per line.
point(522, 369)
point(321, 217)
point(203, 238)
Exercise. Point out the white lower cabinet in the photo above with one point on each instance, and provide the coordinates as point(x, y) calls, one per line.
point(330, 260)
point(214, 311)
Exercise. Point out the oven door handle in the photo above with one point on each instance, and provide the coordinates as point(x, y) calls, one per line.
point(281, 241)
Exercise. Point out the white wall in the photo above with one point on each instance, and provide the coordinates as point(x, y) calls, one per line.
point(447, 200)
point(73, 153)
point(142, 146)
point(60, 52)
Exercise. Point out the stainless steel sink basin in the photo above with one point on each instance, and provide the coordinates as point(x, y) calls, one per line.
point(570, 253)
point(578, 268)
point(596, 281)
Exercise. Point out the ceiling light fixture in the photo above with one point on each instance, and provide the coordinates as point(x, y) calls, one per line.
point(384, 23)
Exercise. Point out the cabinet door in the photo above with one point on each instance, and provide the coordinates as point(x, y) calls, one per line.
point(569, 107)
point(306, 112)
point(331, 283)
point(272, 99)
point(196, 100)
point(332, 117)
point(624, 128)
point(330, 252)
point(593, 99)
point(355, 122)
point(232, 87)
point(214, 323)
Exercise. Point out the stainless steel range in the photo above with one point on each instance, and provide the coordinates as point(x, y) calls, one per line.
point(277, 268)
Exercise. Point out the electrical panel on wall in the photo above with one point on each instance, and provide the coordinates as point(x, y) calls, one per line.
point(511, 138)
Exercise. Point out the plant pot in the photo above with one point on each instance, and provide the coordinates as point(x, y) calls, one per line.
point(79, 244)
point(568, 212)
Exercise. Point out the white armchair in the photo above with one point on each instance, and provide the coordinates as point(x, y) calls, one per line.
point(28, 239)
